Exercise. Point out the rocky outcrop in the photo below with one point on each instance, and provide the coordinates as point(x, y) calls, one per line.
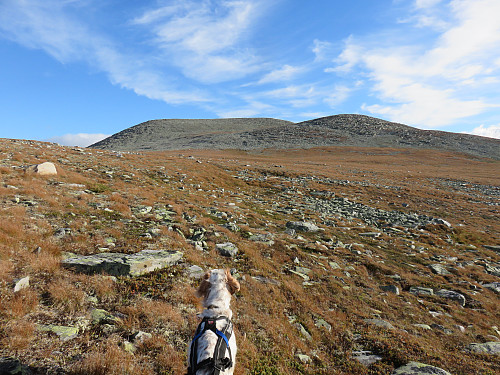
point(416, 368)
point(117, 264)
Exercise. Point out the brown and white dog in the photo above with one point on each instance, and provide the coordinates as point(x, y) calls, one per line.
point(213, 349)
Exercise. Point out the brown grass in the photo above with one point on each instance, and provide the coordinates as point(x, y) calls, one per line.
point(66, 296)
point(19, 335)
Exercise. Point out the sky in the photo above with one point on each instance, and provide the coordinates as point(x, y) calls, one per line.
point(77, 71)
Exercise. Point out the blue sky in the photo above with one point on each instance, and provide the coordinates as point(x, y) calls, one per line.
point(74, 71)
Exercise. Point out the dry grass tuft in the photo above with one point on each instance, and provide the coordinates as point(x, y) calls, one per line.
point(66, 296)
point(20, 334)
point(20, 303)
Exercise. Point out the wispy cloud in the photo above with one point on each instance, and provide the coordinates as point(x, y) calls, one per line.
point(54, 27)
point(206, 39)
point(285, 73)
point(80, 139)
point(492, 131)
point(436, 86)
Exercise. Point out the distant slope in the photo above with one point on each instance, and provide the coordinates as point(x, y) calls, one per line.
point(254, 133)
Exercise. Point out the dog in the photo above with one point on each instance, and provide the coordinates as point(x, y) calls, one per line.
point(213, 348)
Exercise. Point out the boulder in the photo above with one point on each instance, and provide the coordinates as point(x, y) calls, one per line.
point(227, 249)
point(44, 169)
point(421, 291)
point(390, 289)
point(365, 357)
point(450, 294)
point(494, 286)
point(302, 226)
point(379, 323)
point(439, 269)
point(417, 368)
point(118, 264)
point(486, 347)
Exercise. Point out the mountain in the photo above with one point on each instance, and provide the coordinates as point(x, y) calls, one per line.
point(256, 133)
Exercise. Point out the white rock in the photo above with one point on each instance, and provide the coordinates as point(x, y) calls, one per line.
point(44, 169)
point(22, 284)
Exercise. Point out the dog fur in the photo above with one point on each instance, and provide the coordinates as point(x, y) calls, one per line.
point(215, 289)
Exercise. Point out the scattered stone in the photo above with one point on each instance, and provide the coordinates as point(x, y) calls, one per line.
point(321, 323)
point(303, 331)
point(302, 226)
point(494, 286)
point(118, 264)
point(365, 357)
point(100, 317)
point(371, 234)
point(128, 347)
point(62, 232)
point(379, 323)
point(12, 366)
point(417, 368)
point(442, 328)
point(450, 294)
point(195, 272)
point(44, 169)
point(423, 326)
point(264, 238)
point(486, 347)
point(21, 284)
point(139, 337)
point(227, 249)
point(64, 333)
point(492, 270)
point(303, 358)
point(391, 289)
point(334, 265)
point(492, 247)
point(266, 280)
point(439, 269)
point(421, 291)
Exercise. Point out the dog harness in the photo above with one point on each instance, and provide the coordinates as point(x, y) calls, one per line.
point(219, 362)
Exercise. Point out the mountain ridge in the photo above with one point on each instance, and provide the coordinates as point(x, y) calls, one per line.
point(260, 133)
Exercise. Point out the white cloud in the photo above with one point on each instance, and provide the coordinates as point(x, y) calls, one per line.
point(321, 49)
point(80, 139)
point(285, 73)
point(206, 40)
point(492, 131)
point(430, 87)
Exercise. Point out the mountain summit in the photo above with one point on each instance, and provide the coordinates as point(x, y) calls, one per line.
point(257, 133)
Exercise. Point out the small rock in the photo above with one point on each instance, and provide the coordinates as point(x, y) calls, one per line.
point(379, 323)
point(450, 294)
point(321, 323)
point(195, 272)
point(417, 368)
point(492, 247)
point(64, 333)
point(421, 291)
point(100, 316)
point(334, 265)
point(371, 234)
point(391, 289)
point(22, 284)
point(365, 357)
point(227, 249)
point(266, 280)
point(423, 326)
point(494, 286)
point(492, 270)
point(303, 358)
point(128, 347)
point(439, 269)
point(486, 347)
point(302, 226)
point(140, 337)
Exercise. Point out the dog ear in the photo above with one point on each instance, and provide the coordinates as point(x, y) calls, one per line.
point(232, 284)
point(204, 287)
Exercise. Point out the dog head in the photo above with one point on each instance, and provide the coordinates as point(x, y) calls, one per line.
point(217, 280)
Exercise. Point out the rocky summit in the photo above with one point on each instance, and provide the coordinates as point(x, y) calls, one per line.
point(351, 260)
point(261, 133)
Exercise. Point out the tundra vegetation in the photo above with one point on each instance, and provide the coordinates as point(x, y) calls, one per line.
point(350, 260)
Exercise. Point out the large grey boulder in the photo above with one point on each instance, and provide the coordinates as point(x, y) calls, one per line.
point(118, 264)
point(450, 294)
point(486, 347)
point(417, 368)
point(302, 226)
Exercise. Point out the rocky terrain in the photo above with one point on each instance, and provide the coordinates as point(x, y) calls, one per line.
point(249, 134)
point(351, 260)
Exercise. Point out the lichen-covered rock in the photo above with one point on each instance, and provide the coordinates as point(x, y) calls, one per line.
point(12, 366)
point(486, 347)
point(421, 291)
point(100, 316)
point(302, 226)
point(439, 269)
point(227, 249)
point(450, 294)
point(417, 368)
point(64, 333)
point(379, 323)
point(118, 264)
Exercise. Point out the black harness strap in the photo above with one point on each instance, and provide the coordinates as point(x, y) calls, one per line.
point(219, 362)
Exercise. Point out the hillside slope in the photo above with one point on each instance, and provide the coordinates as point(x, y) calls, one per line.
point(352, 261)
point(247, 134)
